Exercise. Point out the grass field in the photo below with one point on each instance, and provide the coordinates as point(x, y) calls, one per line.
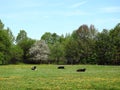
point(48, 77)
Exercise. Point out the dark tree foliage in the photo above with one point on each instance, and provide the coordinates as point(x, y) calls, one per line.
point(55, 43)
point(104, 48)
point(115, 37)
point(85, 37)
point(25, 43)
point(72, 52)
point(1, 25)
point(83, 46)
point(5, 45)
point(16, 54)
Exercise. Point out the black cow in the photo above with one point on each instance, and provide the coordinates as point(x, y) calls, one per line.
point(61, 67)
point(81, 70)
point(34, 68)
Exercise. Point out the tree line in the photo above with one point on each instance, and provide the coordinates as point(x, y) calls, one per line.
point(85, 45)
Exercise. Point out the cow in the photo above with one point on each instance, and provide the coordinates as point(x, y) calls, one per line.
point(81, 70)
point(34, 68)
point(61, 67)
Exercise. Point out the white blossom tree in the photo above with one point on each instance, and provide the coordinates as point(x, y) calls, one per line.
point(39, 52)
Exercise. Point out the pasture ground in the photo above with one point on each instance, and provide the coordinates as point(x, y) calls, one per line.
point(48, 77)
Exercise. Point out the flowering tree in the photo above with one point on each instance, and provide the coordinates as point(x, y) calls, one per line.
point(39, 52)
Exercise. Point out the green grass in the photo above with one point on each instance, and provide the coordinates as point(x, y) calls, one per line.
point(48, 77)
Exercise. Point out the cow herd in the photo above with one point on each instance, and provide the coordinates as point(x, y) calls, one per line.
point(62, 67)
point(78, 70)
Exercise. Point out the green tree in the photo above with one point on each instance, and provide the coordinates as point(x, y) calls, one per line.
point(115, 36)
point(57, 53)
point(16, 54)
point(1, 25)
point(11, 36)
point(2, 58)
point(25, 44)
point(47, 37)
point(55, 43)
point(85, 36)
point(21, 36)
point(50, 38)
point(5, 45)
point(72, 52)
point(104, 48)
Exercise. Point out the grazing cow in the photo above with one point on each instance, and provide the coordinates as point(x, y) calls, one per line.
point(34, 68)
point(61, 67)
point(81, 70)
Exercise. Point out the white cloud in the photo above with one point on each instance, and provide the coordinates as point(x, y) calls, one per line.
point(78, 4)
point(113, 9)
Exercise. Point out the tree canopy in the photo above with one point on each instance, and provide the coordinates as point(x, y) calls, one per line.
point(39, 52)
point(85, 45)
point(5, 44)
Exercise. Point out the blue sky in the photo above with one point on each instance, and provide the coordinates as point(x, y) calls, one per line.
point(60, 16)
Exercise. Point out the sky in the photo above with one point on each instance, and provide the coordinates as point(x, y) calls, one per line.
point(58, 16)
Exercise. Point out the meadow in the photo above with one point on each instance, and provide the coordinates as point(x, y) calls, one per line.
point(48, 77)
